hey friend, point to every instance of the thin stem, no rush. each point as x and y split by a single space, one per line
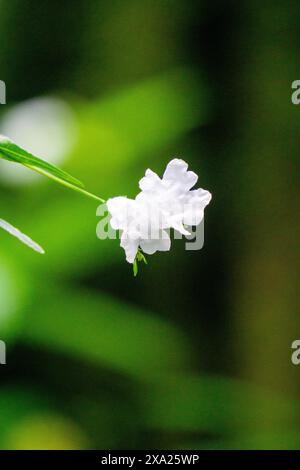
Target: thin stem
65 183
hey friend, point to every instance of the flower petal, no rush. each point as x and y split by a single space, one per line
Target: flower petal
119 208
176 222
150 182
150 246
194 206
130 245
202 196
176 172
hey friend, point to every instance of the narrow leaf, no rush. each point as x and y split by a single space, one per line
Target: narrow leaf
12 152
21 236
135 267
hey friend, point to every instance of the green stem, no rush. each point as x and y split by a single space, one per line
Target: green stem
65 183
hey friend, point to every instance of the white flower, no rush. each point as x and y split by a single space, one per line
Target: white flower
24 238
162 204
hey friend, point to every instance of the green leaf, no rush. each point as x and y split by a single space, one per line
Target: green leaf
141 257
21 236
135 267
138 259
12 152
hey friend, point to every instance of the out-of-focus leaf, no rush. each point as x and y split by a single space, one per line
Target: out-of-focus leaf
102 330
135 124
46 431
29 422
216 405
14 291
15 405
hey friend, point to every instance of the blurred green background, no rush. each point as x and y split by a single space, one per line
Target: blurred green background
195 351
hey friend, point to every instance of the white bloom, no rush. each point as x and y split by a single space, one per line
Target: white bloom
24 238
162 204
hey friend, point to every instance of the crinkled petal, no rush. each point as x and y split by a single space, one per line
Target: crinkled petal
130 245
176 222
119 209
176 173
150 182
150 246
194 206
201 196
193 216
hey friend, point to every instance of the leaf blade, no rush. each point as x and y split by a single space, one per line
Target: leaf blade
14 153
21 236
